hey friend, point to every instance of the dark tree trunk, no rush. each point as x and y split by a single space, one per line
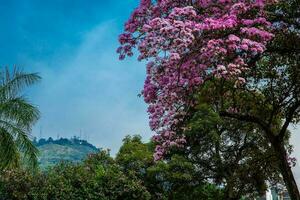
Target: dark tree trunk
278 146
230 197
286 170
229 193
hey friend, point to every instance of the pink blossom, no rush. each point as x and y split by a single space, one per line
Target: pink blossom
184 47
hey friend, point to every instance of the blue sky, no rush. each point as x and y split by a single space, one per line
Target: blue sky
85 88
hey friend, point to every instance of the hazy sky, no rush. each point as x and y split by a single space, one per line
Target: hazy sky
85 88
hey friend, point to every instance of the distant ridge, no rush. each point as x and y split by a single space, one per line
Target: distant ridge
63 149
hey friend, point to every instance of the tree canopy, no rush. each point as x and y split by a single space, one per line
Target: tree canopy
244 54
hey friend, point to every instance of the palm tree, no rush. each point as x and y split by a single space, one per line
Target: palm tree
17 117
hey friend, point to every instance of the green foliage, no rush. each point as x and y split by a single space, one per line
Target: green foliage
20 184
16 119
230 153
134 156
99 177
131 175
174 179
66 181
177 179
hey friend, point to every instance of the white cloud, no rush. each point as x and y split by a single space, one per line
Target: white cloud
91 90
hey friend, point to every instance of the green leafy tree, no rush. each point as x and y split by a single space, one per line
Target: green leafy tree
99 177
135 156
178 180
234 155
175 178
21 184
130 176
16 118
271 97
252 47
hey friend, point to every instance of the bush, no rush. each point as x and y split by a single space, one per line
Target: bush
131 176
97 178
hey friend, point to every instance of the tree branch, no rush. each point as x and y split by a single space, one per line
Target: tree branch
249 118
288 120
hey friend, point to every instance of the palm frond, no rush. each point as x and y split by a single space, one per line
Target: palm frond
20 142
8 150
17 116
11 83
27 148
19 111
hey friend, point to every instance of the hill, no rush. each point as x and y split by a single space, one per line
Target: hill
55 151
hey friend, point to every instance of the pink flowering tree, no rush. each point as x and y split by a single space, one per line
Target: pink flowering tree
188 43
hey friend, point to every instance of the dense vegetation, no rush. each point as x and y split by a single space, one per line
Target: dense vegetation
131 175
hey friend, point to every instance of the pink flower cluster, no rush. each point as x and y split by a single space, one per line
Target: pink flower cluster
185 43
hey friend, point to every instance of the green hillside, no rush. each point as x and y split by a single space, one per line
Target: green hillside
55 151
